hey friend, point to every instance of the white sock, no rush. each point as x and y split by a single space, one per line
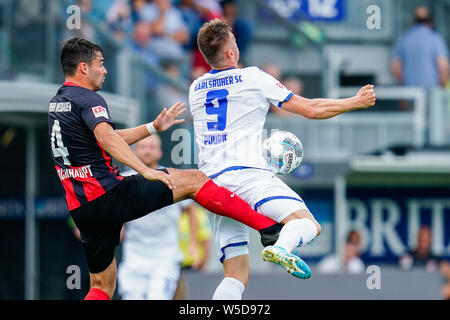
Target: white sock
297 232
229 289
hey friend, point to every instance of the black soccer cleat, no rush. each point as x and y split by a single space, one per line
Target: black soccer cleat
270 234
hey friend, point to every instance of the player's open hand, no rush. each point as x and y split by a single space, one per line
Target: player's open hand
366 96
168 118
154 175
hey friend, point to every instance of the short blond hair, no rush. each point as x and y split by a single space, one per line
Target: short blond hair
211 38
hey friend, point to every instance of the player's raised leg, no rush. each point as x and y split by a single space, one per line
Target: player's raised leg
219 200
299 228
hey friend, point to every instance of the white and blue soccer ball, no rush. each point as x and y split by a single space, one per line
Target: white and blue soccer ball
283 151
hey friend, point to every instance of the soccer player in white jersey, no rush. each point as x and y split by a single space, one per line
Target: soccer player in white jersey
229 107
151 257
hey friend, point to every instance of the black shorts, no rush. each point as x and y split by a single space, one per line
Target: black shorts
101 220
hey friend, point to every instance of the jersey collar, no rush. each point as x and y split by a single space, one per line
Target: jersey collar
212 71
68 83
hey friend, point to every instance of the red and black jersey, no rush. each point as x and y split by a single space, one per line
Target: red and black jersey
83 166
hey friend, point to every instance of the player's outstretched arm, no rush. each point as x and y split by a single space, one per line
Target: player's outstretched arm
164 121
328 108
121 151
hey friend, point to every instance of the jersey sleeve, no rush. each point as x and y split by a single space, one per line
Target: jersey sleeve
275 92
95 110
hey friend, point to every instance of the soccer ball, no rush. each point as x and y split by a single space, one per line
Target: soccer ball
283 151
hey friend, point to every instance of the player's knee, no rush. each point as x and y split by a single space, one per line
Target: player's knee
319 228
198 179
201 177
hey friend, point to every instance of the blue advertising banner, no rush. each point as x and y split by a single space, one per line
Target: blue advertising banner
314 10
51 207
388 220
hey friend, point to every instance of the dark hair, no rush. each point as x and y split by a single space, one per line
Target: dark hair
77 50
211 38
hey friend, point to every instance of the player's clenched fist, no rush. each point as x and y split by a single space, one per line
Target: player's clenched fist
366 96
153 175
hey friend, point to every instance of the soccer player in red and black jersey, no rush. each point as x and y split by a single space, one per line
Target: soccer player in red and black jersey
83 139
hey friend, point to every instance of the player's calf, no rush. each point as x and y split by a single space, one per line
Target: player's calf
236 272
103 283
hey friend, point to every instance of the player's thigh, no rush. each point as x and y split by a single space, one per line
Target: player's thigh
237 267
187 182
132 283
163 281
136 197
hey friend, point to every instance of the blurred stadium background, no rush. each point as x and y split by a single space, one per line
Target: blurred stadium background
384 172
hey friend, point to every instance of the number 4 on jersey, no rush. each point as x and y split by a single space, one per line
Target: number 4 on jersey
58 148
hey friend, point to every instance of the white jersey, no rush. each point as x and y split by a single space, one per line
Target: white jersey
154 236
229 108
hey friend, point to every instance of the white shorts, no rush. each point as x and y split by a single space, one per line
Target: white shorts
265 193
157 281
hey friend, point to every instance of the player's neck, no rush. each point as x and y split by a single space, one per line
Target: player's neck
224 67
80 82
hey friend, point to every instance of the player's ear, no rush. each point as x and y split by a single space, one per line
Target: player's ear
83 67
229 54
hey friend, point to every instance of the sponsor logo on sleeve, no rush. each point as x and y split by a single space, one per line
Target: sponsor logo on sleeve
100 111
280 85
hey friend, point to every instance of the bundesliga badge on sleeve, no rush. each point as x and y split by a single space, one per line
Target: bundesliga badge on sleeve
100 111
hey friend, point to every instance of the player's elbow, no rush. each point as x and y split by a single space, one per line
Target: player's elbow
319 228
104 134
311 114
106 140
311 111
102 139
